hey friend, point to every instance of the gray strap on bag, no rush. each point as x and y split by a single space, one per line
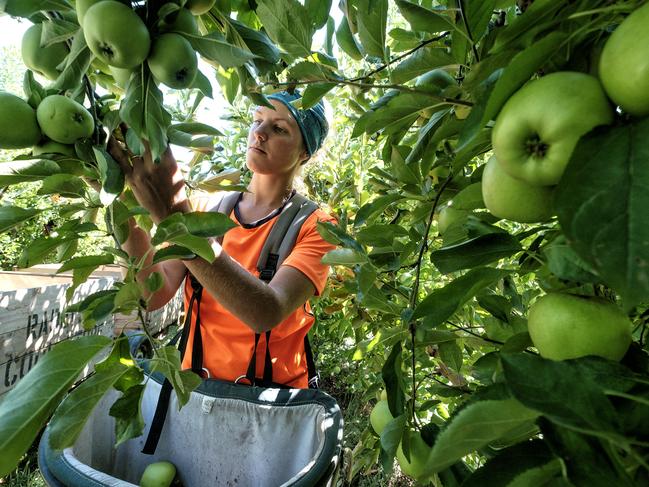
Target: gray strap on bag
283 235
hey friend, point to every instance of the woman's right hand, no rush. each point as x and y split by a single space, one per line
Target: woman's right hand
158 187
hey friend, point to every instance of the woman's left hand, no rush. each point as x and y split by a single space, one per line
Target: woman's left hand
158 187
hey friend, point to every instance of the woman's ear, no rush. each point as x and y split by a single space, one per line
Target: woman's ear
304 157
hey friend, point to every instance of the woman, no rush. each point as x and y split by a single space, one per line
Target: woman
236 304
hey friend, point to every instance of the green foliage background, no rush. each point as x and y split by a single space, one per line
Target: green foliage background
438 321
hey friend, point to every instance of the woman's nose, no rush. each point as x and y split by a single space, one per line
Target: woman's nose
259 132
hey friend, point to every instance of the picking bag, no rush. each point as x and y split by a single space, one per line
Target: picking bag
226 435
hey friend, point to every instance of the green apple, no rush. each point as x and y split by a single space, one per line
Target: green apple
624 63
64 120
116 34
42 59
419 452
539 126
199 7
82 6
18 125
513 199
449 216
52 147
380 416
565 326
173 61
158 474
436 80
180 20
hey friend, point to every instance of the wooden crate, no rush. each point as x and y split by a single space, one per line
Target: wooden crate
33 318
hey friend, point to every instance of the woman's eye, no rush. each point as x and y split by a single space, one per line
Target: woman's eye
279 129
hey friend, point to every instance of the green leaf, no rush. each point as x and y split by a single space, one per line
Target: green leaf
318 12
577 398
423 60
111 176
15 172
184 139
584 459
257 41
314 93
393 380
451 354
214 47
207 223
25 409
63 184
143 111
174 229
601 203
76 64
71 416
474 427
128 297
376 206
154 282
11 216
27 8
540 475
442 303
372 17
510 463
127 412
338 236
82 268
167 361
173 252
288 24
347 41
92 261
380 235
423 19
539 15
475 252
400 112
521 68
203 84
57 30
478 13
563 262
346 257
37 251
197 128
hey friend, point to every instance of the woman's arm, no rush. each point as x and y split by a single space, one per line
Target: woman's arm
159 187
259 305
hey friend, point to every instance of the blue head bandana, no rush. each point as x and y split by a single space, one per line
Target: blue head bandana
312 121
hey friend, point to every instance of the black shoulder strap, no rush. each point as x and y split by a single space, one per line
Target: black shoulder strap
277 246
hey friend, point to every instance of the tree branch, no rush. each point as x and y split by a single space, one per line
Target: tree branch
399 58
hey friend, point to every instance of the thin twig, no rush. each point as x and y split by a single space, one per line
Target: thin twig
400 57
405 89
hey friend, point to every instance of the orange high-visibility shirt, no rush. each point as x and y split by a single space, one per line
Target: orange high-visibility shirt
227 342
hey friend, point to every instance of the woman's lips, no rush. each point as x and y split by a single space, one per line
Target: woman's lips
257 149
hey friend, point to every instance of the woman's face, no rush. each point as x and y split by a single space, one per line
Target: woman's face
275 143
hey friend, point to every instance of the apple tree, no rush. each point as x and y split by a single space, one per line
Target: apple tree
489 178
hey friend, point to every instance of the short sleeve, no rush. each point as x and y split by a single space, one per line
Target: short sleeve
309 249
